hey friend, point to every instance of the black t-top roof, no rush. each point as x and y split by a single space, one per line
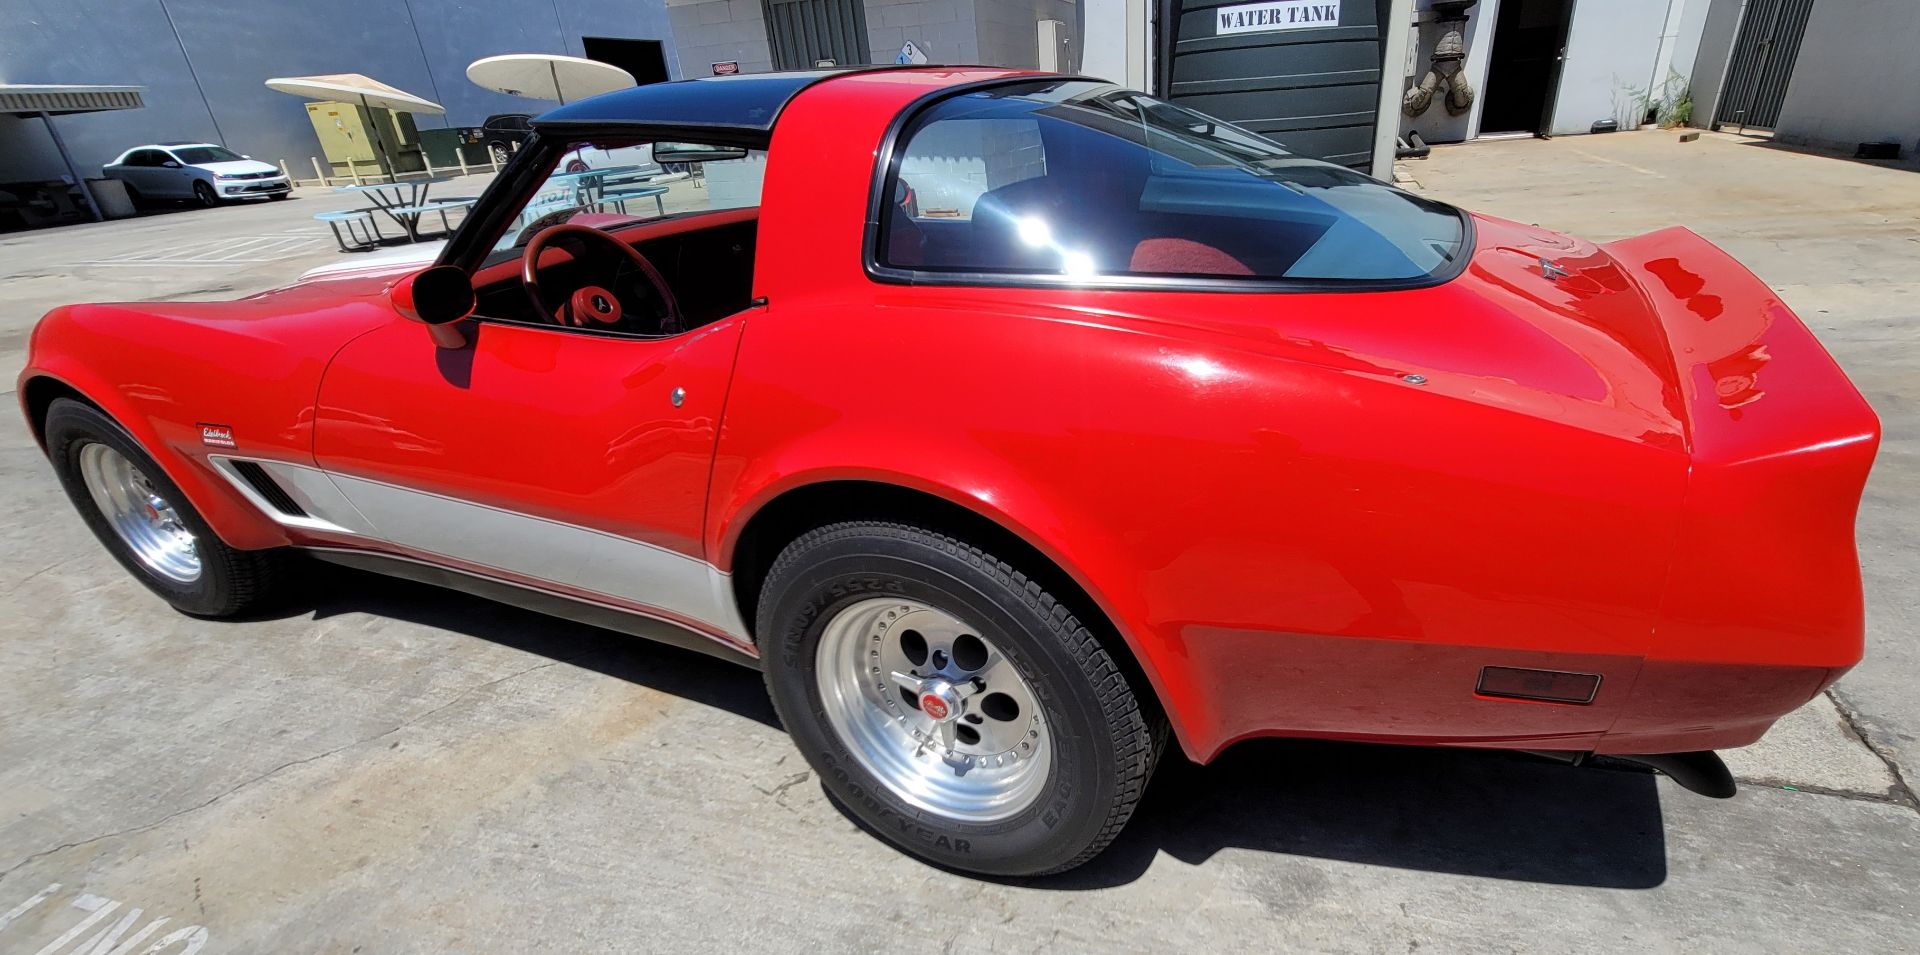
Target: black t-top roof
744 103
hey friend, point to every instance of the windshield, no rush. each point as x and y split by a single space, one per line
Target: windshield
200 155
1083 179
618 183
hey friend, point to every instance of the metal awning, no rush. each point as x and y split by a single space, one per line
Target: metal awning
26 99
47 101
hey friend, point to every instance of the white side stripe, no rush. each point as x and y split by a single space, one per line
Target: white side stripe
580 557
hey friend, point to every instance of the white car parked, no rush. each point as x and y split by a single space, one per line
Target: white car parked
202 172
593 157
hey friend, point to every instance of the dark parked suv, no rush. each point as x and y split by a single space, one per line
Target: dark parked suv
503 132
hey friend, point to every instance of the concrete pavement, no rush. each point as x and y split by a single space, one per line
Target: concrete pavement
392 768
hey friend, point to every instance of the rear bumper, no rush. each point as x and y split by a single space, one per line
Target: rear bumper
1414 693
1683 707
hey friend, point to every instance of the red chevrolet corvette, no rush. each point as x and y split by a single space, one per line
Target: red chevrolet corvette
1008 421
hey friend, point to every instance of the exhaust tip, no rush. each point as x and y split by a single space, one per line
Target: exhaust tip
1702 772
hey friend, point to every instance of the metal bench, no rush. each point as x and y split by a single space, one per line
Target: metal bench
367 237
618 198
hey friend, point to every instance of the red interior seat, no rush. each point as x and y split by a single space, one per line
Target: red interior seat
1183 257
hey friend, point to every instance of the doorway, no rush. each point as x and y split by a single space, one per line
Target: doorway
1762 64
645 59
1523 68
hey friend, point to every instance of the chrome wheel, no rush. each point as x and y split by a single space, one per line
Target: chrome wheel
500 153
145 521
932 710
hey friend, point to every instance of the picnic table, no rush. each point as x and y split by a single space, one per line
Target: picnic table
441 206
619 197
401 201
589 183
363 232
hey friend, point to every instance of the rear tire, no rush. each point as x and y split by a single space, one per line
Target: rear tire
838 625
499 152
148 525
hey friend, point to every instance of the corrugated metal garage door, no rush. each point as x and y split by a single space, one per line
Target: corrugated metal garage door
804 32
1762 65
1315 89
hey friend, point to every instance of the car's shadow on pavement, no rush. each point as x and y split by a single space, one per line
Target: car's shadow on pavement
682 673
1464 812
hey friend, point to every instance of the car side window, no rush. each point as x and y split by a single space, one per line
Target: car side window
950 166
616 184
665 208
1073 179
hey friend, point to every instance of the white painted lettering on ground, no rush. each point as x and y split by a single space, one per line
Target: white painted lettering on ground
1276 15
118 937
21 909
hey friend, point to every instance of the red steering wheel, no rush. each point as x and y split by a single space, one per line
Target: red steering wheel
593 305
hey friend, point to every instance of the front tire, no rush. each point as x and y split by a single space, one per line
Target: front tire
952 705
204 195
148 525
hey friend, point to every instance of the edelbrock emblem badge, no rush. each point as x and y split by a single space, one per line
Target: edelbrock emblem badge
933 706
216 436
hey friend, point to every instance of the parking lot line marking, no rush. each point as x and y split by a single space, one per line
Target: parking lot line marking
165 264
274 245
1615 162
235 250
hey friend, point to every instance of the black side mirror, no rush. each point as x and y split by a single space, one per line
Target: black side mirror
438 298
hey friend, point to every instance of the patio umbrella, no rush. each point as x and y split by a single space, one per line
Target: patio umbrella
355 88
547 76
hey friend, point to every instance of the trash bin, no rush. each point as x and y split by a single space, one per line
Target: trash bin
441 146
111 196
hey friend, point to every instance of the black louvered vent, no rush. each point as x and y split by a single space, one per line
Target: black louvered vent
276 495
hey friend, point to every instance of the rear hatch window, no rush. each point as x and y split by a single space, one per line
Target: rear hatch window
1075 179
